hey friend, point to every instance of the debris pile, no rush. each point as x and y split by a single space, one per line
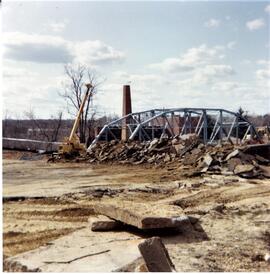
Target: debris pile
156 151
226 160
188 152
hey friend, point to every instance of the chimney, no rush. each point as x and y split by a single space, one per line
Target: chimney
126 110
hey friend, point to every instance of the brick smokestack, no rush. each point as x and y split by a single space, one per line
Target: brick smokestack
126 110
126 100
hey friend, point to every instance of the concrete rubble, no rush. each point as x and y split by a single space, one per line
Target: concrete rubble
156 256
144 215
103 223
186 151
81 251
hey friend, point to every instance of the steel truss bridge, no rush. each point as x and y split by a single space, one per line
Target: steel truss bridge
210 124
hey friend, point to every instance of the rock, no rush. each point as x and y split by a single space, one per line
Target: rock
167 158
262 160
193 220
153 143
232 154
267 257
81 251
207 160
259 149
138 265
246 158
175 141
219 208
230 180
178 148
156 256
201 146
239 169
143 215
103 223
189 159
188 136
141 268
232 163
196 151
265 170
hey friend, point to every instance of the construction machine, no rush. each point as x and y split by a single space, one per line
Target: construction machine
71 145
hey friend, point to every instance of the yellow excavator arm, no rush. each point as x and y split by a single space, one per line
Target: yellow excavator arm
72 144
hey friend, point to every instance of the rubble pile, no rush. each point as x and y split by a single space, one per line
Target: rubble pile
226 160
187 151
156 151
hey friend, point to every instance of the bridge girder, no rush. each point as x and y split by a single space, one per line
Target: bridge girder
211 124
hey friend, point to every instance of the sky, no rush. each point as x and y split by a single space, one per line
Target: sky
173 54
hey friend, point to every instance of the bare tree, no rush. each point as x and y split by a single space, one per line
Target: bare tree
74 93
48 129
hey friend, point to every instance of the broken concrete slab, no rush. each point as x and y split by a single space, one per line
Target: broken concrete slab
232 154
103 223
265 170
137 265
262 160
233 162
143 215
178 147
81 251
156 256
259 149
239 169
205 163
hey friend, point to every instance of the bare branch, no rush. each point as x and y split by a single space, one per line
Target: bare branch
74 92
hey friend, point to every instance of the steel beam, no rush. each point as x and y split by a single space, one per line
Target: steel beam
148 117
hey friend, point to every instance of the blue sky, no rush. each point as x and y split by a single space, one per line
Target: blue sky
174 54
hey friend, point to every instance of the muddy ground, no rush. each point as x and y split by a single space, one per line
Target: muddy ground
45 201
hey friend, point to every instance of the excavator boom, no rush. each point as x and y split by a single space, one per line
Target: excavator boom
77 120
72 145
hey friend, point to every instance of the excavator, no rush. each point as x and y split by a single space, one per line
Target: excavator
71 145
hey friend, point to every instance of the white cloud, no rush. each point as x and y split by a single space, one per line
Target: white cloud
56 26
218 70
255 24
225 86
263 62
172 65
95 52
263 74
36 48
12 72
212 23
191 59
267 9
55 49
210 74
231 45
202 69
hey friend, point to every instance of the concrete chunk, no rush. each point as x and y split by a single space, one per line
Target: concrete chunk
265 171
143 215
156 256
232 154
239 169
82 251
103 223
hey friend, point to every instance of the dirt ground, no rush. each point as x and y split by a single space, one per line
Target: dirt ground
45 201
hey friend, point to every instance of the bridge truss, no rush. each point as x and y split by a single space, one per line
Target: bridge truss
210 124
